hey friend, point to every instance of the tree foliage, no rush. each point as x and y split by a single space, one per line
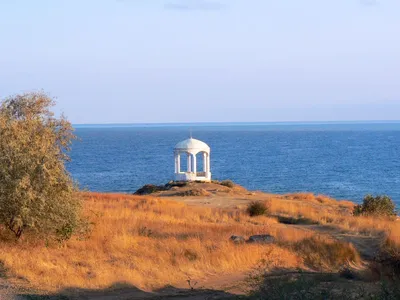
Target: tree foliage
36 191
380 206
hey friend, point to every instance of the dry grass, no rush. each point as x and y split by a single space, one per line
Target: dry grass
151 242
389 254
147 242
327 211
338 215
324 254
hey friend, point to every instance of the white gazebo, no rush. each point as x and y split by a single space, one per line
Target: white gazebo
191 148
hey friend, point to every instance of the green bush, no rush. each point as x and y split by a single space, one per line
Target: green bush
37 193
65 232
380 206
258 208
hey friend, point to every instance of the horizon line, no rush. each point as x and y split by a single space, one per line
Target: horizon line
242 123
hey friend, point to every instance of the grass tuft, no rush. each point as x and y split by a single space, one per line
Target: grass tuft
258 208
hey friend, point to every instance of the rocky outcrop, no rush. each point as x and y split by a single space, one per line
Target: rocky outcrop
261 239
150 189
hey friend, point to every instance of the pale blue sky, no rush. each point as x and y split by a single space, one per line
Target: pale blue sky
129 61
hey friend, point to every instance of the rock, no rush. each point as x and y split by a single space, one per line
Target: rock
150 189
237 239
261 239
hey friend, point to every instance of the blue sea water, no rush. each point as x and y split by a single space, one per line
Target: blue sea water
342 160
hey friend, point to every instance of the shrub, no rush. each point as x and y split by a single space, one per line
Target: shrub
144 231
191 255
37 193
380 206
65 232
227 183
258 208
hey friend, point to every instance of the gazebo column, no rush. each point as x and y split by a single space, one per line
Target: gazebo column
178 163
194 164
189 162
204 162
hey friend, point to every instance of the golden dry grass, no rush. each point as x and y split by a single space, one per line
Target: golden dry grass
148 243
338 215
152 242
390 249
326 211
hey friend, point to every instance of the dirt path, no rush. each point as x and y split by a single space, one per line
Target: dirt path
8 291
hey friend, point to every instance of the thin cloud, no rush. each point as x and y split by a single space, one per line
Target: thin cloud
190 5
369 2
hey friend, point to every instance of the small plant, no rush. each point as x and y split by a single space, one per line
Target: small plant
191 255
227 183
144 231
191 284
258 208
379 206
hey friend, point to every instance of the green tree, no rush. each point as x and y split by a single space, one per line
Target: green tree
380 206
36 191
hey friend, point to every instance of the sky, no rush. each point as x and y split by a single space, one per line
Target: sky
160 61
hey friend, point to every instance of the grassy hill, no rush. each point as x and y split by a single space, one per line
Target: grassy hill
166 239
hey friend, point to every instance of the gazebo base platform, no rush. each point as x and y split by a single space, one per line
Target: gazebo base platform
201 176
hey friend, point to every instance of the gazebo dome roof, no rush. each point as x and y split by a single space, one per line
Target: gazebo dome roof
192 144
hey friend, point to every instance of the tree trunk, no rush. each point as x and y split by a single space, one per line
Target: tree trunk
17 231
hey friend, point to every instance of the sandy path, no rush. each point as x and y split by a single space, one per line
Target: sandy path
8 291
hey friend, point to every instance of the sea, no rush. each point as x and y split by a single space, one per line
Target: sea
344 160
